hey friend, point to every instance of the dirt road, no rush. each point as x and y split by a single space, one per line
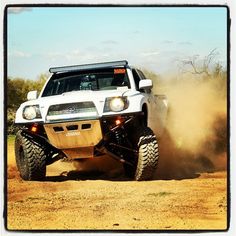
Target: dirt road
91 200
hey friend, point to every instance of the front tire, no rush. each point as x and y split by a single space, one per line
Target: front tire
30 158
146 162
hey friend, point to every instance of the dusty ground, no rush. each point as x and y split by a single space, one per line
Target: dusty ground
91 200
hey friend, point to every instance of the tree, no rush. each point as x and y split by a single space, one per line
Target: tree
39 83
206 67
17 89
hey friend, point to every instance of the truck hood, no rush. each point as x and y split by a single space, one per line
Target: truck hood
82 96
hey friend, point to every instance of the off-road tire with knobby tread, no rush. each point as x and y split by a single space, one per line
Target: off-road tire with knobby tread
30 157
148 154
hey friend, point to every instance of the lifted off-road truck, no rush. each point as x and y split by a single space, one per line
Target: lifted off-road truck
88 111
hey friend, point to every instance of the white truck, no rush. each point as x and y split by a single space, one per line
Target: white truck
87 111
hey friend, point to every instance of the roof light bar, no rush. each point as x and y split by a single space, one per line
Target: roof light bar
89 66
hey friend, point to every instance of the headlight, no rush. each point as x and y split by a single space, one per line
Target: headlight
31 112
116 104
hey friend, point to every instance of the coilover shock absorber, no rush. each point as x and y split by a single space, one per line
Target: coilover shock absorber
118 135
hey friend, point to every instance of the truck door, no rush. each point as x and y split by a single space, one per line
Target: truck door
138 75
157 109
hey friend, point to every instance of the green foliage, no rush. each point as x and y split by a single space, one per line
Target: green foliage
17 89
11 128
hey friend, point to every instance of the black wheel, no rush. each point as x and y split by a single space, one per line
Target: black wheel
30 158
144 165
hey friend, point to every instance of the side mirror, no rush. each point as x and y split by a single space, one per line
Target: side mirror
32 95
145 84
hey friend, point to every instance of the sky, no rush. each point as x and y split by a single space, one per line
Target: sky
155 38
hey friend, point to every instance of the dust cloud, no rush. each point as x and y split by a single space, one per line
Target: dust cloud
196 137
101 165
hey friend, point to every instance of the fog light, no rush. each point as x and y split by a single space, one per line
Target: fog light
118 122
34 129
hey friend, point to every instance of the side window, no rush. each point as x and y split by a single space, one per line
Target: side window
142 76
136 80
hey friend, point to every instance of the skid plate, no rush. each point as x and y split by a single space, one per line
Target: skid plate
71 135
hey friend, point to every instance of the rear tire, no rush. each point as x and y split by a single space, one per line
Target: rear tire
30 158
146 162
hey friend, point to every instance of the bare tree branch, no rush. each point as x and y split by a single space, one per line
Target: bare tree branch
194 66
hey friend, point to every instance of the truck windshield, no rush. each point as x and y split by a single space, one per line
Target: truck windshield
109 79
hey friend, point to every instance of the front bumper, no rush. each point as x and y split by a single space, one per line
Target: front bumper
80 138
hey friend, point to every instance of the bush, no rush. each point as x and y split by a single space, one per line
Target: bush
11 127
17 89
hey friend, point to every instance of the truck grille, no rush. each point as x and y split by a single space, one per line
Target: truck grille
71 110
